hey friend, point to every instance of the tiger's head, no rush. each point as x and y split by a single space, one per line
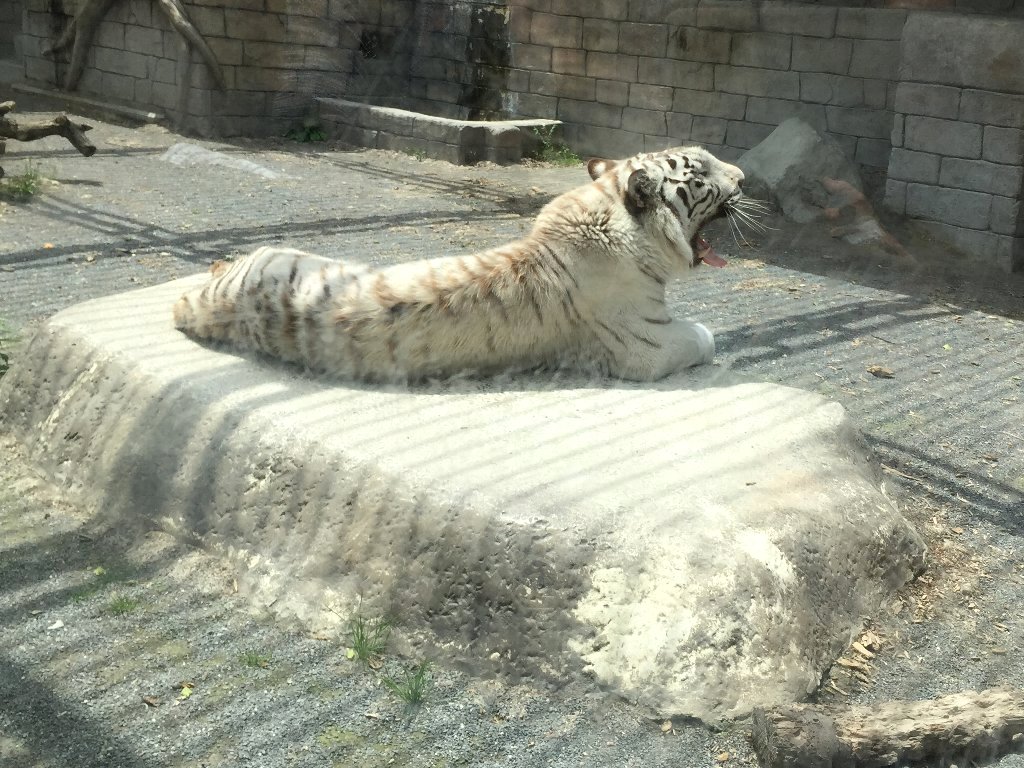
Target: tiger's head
677 191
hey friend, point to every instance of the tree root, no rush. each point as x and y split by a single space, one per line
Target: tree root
58 126
80 31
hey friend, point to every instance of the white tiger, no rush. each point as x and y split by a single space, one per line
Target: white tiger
585 289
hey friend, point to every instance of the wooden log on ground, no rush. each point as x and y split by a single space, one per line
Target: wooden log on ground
964 728
61 125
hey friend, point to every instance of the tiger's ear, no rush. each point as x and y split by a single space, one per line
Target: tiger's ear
598 165
641 192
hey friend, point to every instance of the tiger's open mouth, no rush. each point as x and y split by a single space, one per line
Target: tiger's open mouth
705 253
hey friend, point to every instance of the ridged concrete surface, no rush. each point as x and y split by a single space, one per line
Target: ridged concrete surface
701 546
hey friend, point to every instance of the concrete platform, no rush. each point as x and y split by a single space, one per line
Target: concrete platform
701 546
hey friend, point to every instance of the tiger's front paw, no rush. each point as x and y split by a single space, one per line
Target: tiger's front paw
705 343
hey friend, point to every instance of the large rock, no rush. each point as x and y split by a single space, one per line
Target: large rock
789 166
702 545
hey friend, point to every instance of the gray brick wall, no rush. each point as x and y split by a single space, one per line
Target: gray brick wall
934 99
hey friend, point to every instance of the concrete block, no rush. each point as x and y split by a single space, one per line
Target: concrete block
757 82
518 80
1002 109
758 49
907 165
165 71
556 31
898 135
745 135
249 25
612 66
122 62
880 94
945 137
981 248
547 84
674 12
1003 145
896 196
964 50
831 89
811 54
659 143
651 97
276 55
519 19
109 34
599 141
526 56
710 103
209 21
798 19
681 74
1007 216
680 126
241 103
227 52
39 70
646 121
643 39
871 23
600 9
262 79
708 130
775 111
144 40
568 61
600 35
615 92
870 123
532 105
728 15
875 58
956 207
704 45
118 87
164 95
589 113
981 176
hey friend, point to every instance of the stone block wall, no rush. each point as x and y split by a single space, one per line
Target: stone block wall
957 163
931 98
10 22
624 76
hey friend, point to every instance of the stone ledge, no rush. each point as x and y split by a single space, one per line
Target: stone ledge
701 545
458 141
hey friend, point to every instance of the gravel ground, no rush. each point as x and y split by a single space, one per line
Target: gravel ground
799 308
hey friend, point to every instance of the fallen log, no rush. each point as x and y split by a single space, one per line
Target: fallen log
964 728
61 125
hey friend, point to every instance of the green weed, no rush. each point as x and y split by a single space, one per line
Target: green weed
307 134
413 686
21 187
7 338
102 578
253 658
368 639
121 606
551 150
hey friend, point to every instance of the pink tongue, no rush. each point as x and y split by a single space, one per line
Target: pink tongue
707 254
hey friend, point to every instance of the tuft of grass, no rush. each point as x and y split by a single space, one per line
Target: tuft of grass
21 187
121 606
551 150
7 338
253 658
307 134
368 639
419 154
102 578
413 686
